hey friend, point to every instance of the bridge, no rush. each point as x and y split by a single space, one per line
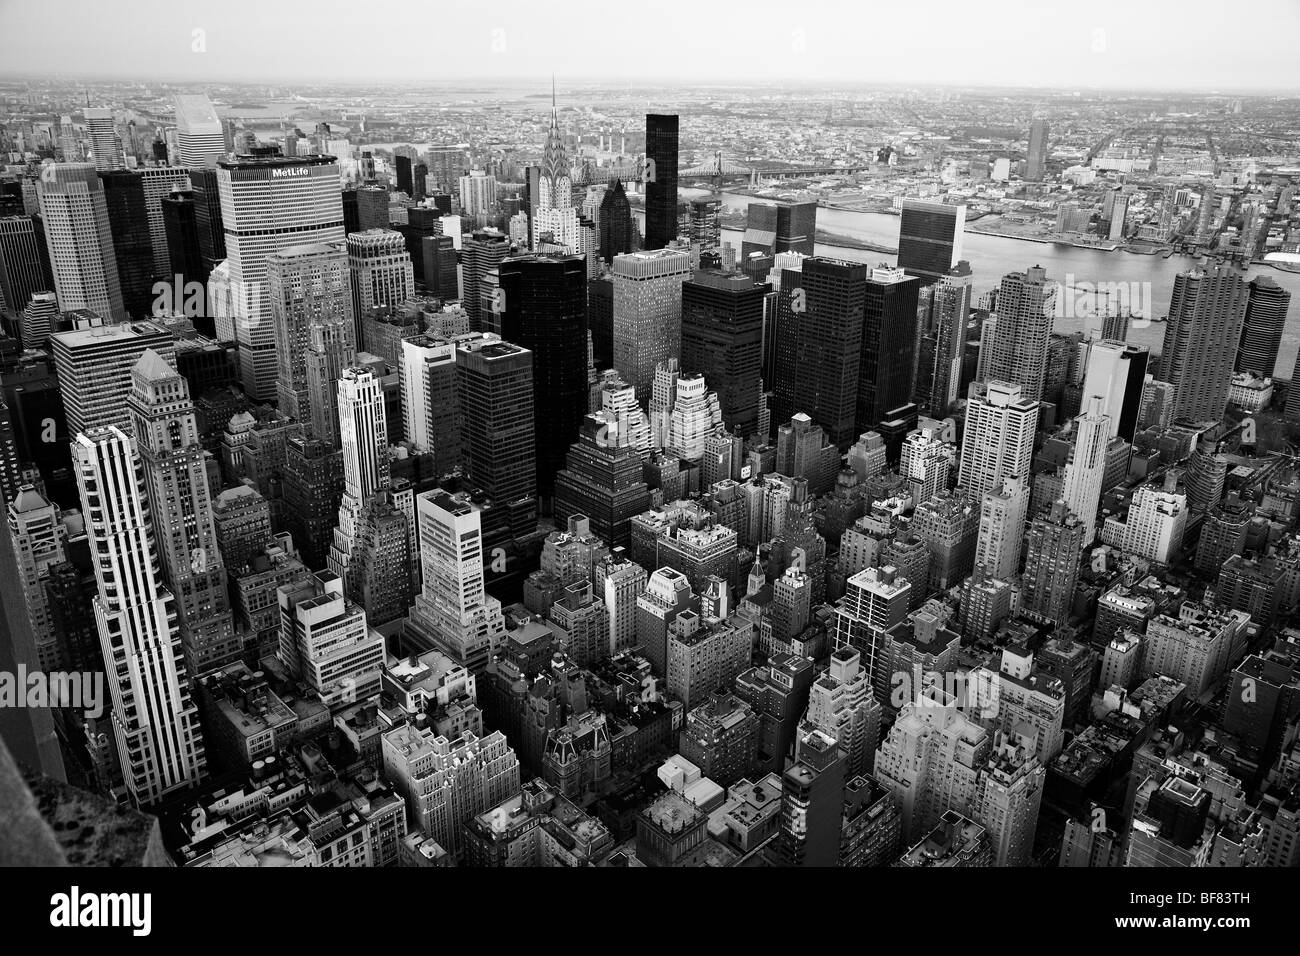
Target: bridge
722 167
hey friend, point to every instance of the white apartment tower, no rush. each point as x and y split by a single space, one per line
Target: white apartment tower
155 720
998 440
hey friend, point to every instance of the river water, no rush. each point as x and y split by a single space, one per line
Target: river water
1147 281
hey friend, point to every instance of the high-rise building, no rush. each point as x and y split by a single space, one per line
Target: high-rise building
722 339
199 137
616 227
1002 526
812 803
155 720
545 311
841 705
363 433
875 599
1155 524
38 545
889 340
1036 157
1206 312
381 274
268 203
706 222
772 228
167 439
1015 337
94 369
950 306
929 238
105 144
998 439
326 643
1087 466
454 612
661 141
478 195
1261 330
1117 372
307 286
1053 547
602 480
128 220
483 251
79 237
184 252
648 313
829 307
24 263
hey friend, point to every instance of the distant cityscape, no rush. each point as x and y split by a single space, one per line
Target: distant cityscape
591 475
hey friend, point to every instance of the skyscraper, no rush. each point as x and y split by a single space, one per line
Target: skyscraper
829 309
78 235
483 252
616 226
1117 372
1002 526
949 313
199 137
269 203
175 477
363 431
775 227
1014 344
889 340
431 415
648 313
128 220
105 144
998 440
94 369
722 339
1087 465
155 720
308 285
24 262
1036 158
661 189
546 313
930 237
1053 546
381 274
1206 312
1261 331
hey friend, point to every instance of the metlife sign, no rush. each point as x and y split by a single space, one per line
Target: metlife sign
288 171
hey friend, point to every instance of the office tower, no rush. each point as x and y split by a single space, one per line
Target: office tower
105 144
1036 157
875 599
1087 465
812 803
94 369
128 219
706 225
1223 534
441 279
381 561
326 643
648 313
330 349
803 451
363 433
1118 217
484 250
553 214
925 461
1054 545
546 313
695 415
841 705
929 238
1169 824
185 262
628 423
207 217
772 228
431 414
157 183
1014 344
175 477
1261 330
1206 312
381 273
722 339
622 582
705 655
720 737
39 320
661 189
1117 373
155 721
1008 794
889 339
38 545
998 439
1002 526
24 263
242 520
307 286
11 469
199 139
601 480
949 525
446 783
616 226
949 312
478 195
829 308
1155 524
667 594
405 176
312 488
269 203
79 237
495 389
453 611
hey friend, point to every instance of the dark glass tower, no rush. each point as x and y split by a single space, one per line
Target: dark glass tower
24 261
405 181
1206 313
128 221
615 223
722 339
207 216
183 250
438 265
545 311
1261 334
889 335
829 345
661 193
929 238
482 252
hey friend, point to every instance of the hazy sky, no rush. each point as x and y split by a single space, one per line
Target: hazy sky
1159 44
